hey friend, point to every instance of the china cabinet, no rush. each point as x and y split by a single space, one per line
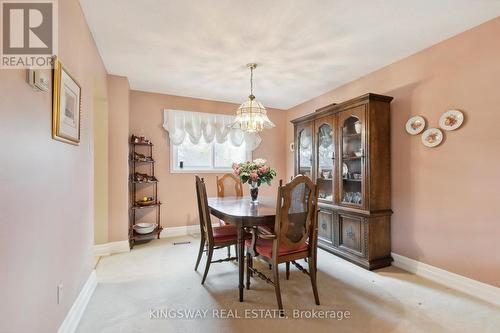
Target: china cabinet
346 148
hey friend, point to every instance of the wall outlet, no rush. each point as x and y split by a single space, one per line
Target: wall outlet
59 293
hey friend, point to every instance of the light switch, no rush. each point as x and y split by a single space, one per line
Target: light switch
39 79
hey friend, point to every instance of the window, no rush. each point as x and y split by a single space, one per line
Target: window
194 138
206 157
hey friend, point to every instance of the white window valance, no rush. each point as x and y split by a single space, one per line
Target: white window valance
211 126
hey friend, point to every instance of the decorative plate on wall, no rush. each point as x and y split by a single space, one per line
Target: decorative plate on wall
451 120
432 137
415 125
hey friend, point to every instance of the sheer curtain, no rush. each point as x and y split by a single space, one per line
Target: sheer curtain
182 125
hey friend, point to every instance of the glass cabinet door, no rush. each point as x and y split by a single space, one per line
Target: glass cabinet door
325 158
304 151
352 173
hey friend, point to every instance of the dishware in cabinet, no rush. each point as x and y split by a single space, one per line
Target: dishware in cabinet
352 147
304 150
324 130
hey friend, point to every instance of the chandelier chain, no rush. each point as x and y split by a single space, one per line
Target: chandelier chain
251 80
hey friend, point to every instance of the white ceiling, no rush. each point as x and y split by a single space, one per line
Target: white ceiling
199 48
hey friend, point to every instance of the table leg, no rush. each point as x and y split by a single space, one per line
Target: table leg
241 260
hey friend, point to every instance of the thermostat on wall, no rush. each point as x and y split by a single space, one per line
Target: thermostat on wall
39 79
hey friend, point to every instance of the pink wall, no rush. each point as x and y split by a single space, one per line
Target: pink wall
444 199
118 118
176 191
46 195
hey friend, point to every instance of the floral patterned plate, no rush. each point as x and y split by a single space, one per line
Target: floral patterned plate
451 120
432 137
415 125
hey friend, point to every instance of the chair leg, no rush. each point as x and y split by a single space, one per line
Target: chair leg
209 261
287 270
277 285
312 274
237 250
229 251
249 265
200 252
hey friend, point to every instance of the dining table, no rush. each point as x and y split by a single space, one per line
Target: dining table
243 213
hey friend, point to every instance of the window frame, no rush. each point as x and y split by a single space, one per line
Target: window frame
174 168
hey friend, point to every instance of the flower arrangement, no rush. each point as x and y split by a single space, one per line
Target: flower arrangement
254 173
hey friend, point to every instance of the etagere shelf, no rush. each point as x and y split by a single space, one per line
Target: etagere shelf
140 159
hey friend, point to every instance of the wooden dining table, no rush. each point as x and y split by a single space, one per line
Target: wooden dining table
242 213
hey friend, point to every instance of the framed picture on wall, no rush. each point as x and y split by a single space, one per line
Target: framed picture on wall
66 106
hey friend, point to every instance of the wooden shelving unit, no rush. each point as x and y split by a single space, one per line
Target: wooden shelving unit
146 161
346 148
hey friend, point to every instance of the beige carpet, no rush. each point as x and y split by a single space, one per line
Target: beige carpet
160 276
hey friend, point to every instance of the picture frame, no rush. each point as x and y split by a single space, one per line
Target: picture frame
66 105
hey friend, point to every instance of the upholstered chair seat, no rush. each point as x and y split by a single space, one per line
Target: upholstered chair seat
265 248
225 233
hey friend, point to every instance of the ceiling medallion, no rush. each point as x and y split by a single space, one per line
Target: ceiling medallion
251 116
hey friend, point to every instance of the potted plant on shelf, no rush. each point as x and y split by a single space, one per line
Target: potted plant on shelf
255 174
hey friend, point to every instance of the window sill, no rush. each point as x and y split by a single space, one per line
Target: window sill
213 171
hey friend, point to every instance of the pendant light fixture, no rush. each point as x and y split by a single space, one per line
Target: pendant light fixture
251 116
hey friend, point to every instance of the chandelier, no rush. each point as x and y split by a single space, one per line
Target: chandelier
251 116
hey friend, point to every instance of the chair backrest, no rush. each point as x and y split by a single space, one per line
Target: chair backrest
203 210
296 213
229 186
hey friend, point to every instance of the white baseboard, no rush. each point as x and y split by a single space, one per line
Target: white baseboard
111 248
74 314
466 285
180 231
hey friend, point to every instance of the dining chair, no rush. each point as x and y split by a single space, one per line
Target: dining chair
270 229
229 186
295 235
211 236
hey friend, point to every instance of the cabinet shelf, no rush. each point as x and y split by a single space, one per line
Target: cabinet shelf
148 182
351 158
155 233
141 144
351 180
146 206
139 161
